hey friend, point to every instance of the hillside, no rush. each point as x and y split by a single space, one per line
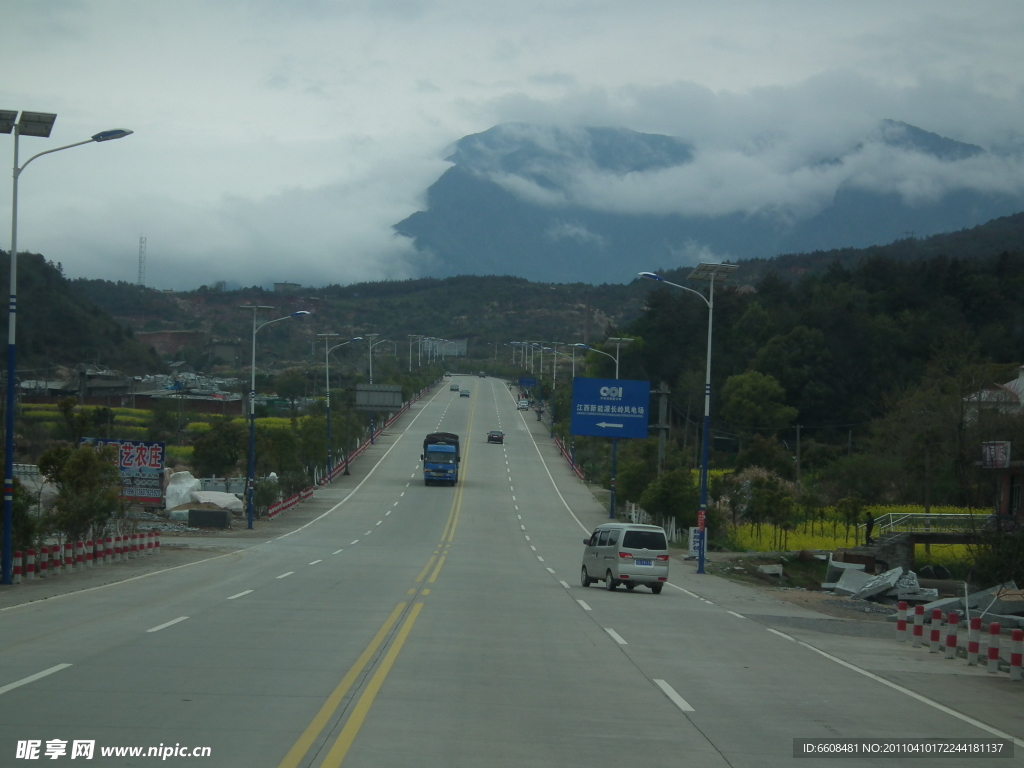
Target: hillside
58 326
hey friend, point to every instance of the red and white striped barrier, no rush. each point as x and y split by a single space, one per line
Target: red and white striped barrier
117 549
156 543
42 566
935 636
89 549
974 642
918 626
952 623
79 555
901 621
993 647
30 565
149 543
16 568
1016 652
108 550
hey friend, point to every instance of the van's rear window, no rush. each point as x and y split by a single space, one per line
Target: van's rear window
644 540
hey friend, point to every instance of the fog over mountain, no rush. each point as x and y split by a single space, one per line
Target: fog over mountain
595 204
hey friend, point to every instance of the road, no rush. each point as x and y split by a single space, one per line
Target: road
429 626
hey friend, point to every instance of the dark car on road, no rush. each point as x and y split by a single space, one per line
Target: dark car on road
495 436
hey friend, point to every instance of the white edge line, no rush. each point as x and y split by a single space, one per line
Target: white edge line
32 678
674 697
583 605
737 615
285 574
914 695
240 594
122 581
781 634
615 636
676 586
167 624
368 474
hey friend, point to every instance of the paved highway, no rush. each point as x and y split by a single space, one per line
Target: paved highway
435 626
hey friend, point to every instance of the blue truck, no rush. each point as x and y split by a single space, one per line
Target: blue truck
440 458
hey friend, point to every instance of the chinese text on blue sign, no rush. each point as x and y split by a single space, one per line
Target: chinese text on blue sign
610 407
141 465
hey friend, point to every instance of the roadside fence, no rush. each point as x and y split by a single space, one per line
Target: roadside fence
972 645
52 560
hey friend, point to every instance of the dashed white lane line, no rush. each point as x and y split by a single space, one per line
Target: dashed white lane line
32 678
583 605
527 538
551 570
517 509
737 615
615 636
387 513
533 548
396 503
401 494
513 499
283 575
368 532
378 522
337 551
353 542
167 624
519 517
674 697
522 527
316 561
406 485
542 560
240 594
565 584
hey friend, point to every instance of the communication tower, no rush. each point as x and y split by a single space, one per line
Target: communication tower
142 261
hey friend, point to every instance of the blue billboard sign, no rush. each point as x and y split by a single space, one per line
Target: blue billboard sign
527 381
610 407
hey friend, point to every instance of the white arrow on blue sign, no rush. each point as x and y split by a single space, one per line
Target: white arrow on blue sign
610 407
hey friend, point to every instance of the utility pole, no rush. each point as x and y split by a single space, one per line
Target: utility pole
142 261
663 425
797 455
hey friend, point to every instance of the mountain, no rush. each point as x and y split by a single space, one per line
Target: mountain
556 204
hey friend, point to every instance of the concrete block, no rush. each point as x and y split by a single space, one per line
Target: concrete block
917 595
851 582
770 570
946 605
984 597
836 569
880 584
1009 602
209 518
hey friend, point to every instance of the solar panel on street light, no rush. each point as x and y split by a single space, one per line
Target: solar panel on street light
717 272
36 124
7 120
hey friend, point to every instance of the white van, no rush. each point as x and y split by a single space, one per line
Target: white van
624 553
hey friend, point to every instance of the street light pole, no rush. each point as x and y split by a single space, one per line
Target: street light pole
30 124
709 272
327 366
252 402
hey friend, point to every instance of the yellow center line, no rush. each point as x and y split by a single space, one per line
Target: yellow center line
426 568
305 741
355 720
433 576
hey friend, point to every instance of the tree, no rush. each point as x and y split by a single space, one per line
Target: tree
291 385
88 487
767 453
753 400
218 451
674 494
77 421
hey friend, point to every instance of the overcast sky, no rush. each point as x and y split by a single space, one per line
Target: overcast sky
279 140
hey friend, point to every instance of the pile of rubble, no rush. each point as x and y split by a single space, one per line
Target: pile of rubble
1002 604
851 580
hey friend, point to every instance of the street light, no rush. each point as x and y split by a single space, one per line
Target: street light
412 338
709 272
252 400
327 366
30 124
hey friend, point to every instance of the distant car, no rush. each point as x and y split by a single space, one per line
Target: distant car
464 393
454 388
524 405
495 436
482 375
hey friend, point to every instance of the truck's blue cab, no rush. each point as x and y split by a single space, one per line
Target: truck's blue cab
440 458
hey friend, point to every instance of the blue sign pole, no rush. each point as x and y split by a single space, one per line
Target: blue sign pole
611 502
